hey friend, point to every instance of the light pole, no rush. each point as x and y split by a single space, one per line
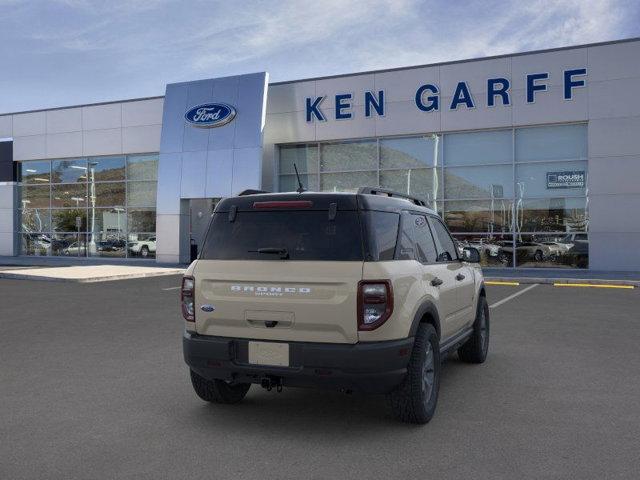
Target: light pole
520 208
118 211
435 139
92 174
92 196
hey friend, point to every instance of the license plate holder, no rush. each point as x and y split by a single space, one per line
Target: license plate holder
269 353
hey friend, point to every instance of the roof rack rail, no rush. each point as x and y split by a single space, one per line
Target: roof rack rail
391 193
251 191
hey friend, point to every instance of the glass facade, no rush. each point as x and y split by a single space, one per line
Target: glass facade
518 195
95 206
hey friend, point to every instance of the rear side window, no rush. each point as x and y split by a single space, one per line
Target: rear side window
382 234
425 248
444 243
305 235
406 241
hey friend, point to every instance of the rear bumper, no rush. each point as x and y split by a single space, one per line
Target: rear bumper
375 367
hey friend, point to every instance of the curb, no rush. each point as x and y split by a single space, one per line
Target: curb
551 281
22 276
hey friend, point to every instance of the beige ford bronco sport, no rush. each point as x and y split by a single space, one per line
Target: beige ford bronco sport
353 291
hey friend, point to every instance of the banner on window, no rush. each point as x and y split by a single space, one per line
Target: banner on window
569 179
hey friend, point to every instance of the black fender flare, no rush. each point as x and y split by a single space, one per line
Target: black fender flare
427 307
482 291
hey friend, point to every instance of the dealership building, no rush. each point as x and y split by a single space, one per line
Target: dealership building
534 158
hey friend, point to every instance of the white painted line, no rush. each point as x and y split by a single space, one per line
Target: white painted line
171 288
511 297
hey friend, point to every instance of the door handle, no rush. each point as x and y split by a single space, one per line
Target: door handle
436 282
460 277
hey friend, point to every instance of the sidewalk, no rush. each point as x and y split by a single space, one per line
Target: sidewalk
86 273
29 261
551 276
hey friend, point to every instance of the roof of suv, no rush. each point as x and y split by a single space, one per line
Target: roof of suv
322 201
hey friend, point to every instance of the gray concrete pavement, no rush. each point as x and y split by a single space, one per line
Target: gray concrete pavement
94 386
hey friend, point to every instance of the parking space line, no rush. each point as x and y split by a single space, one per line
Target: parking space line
496 282
171 288
511 297
592 285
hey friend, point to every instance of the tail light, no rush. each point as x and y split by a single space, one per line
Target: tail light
187 299
375 303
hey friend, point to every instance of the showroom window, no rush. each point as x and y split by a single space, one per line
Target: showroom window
95 206
518 195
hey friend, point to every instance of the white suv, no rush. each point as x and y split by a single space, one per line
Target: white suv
143 247
356 292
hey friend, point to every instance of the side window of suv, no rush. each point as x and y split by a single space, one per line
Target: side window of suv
405 249
425 247
382 230
447 251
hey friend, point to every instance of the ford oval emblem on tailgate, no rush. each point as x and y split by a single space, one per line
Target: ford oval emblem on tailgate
207 308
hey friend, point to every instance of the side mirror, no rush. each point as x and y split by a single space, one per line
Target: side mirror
471 255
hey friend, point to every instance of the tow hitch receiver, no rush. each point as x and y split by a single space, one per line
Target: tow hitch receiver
269 383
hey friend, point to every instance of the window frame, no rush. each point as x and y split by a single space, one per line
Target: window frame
436 239
518 162
414 213
123 233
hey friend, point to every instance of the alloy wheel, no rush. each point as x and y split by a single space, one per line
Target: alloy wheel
428 373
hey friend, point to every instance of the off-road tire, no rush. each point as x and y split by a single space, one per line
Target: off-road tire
413 401
218 391
144 251
476 347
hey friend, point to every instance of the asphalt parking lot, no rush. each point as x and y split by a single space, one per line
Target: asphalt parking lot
93 385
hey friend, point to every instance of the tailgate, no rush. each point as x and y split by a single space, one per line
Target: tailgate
305 301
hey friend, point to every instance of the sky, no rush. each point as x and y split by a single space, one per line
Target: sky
69 52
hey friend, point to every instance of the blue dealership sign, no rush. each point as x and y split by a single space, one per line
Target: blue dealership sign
427 96
210 115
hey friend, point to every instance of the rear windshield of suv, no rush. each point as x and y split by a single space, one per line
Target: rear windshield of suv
303 234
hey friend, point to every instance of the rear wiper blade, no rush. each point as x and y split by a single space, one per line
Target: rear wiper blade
284 254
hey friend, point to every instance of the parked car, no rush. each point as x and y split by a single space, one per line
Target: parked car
485 246
579 251
58 246
290 291
110 245
573 239
557 249
38 244
75 249
143 247
525 252
105 246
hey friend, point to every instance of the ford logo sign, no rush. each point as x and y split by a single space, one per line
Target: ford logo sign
210 115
